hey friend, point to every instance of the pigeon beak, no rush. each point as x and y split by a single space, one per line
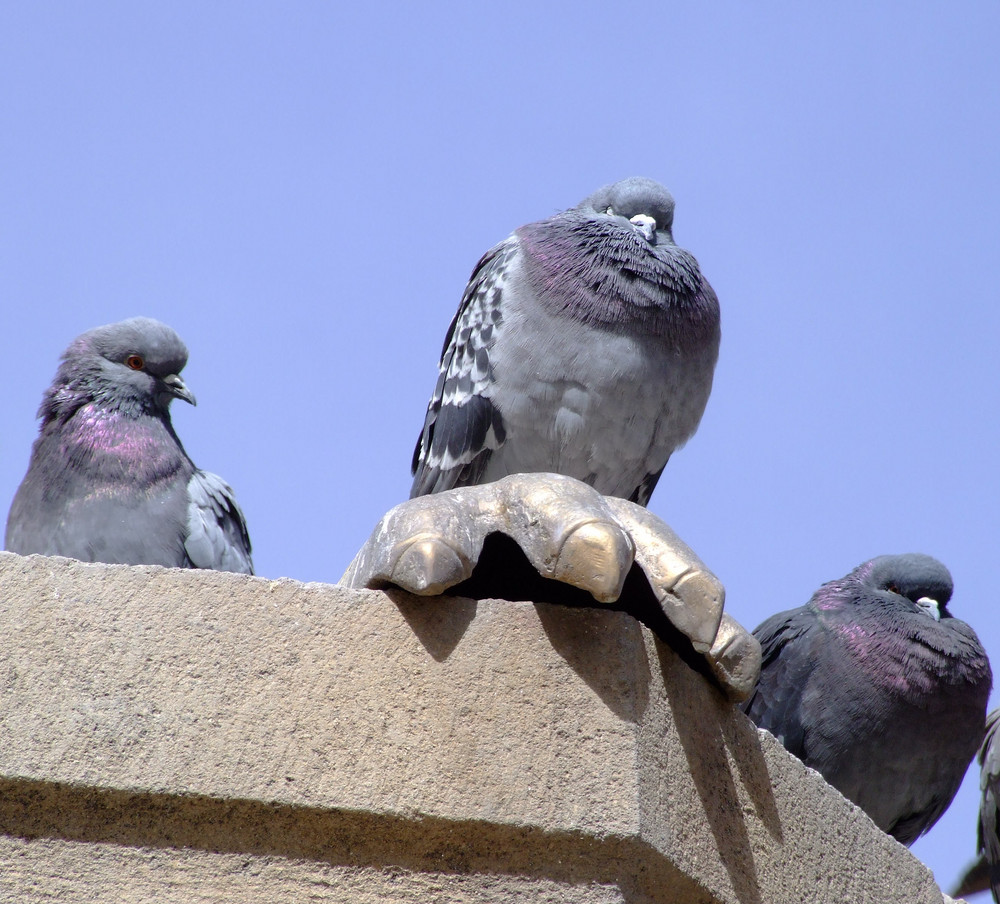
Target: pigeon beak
930 606
645 226
177 388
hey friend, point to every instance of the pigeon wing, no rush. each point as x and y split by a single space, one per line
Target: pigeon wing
217 535
645 489
785 641
989 817
463 427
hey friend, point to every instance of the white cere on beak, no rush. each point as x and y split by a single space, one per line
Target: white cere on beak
646 226
930 606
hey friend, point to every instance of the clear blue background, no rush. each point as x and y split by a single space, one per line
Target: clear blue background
301 191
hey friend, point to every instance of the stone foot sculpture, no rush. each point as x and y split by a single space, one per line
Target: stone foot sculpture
569 533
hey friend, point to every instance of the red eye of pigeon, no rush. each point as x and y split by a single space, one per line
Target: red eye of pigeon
135 362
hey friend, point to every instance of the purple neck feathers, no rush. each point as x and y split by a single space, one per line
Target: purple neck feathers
600 272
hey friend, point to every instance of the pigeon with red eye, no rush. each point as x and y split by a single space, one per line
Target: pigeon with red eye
109 480
585 345
875 685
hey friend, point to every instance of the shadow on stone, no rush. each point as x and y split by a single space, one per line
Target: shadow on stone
35 809
505 573
439 622
701 736
743 743
607 665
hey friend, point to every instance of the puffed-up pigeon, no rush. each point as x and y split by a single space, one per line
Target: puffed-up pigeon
585 344
109 480
989 807
875 685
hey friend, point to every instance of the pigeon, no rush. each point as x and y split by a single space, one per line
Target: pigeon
876 686
109 480
989 814
585 345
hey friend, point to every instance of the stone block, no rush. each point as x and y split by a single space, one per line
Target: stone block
191 736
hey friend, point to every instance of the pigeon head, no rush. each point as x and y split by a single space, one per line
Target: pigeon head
132 366
920 579
646 204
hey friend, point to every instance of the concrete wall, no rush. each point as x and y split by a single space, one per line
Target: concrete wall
181 736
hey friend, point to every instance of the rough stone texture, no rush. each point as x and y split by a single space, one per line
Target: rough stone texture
185 736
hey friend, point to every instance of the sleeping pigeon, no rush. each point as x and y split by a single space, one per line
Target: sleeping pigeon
876 686
585 344
109 480
989 815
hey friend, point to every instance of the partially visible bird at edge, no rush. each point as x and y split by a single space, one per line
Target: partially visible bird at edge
874 684
989 805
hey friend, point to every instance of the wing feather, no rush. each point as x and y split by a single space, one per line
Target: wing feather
463 426
217 535
786 665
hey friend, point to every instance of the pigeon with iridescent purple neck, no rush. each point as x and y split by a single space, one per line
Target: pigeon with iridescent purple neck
109 480
585 344
876 686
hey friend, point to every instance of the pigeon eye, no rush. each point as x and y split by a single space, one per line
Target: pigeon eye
135 362
610 211
892 588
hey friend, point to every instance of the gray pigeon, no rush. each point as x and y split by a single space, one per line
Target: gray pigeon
109 480
989 814
585 344
876 686
984 873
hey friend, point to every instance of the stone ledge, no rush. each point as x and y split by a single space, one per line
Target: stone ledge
178 735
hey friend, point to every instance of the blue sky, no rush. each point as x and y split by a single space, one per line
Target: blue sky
301 191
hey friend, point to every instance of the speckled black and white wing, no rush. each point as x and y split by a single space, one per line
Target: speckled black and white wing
217 535
463 427
989 806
